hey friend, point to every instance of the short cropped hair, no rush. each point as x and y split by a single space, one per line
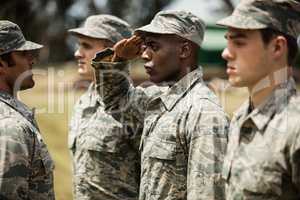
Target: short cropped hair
268 34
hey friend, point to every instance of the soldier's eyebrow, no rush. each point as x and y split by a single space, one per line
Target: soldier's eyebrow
235 35
150 41
84 44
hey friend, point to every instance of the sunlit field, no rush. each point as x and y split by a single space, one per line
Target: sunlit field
54 96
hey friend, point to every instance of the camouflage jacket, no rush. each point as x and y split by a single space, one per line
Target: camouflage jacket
26 168
184 134
105 152
262 161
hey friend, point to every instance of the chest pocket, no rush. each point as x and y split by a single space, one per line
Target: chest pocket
110 145
102 133
159 149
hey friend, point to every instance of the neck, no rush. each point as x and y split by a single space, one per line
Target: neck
263 89
185 71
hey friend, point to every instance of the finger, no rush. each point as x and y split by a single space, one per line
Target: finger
135 40
139 42
132 44
119 44
132 38
141 50
138 39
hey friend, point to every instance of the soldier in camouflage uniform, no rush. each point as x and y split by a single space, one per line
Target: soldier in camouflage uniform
26 168
105 152
263 156
185 129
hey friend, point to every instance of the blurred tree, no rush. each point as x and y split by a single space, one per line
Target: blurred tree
46 21
41 21
229 5
141 12
19 12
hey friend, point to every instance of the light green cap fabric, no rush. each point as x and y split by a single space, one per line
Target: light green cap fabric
181 23
104 27
280 15
12 39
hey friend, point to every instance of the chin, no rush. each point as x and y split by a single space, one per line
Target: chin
81 73
28 85
86 77
155 80
236 83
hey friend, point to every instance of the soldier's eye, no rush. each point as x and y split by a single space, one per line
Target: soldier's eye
86 46
153 46
238 43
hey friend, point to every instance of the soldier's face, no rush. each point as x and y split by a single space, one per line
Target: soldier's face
248 58
162 58
19 76
87 48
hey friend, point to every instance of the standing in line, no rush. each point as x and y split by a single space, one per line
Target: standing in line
104 150
263 156
184 127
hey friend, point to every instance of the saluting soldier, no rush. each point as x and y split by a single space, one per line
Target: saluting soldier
185 129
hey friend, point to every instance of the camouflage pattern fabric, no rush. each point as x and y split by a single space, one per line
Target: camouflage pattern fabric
104 27
281 15
12 39
26 168
184 133
105 152
181 23
262 161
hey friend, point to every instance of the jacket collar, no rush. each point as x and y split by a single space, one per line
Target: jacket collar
18 106
93 97
277 100
179 89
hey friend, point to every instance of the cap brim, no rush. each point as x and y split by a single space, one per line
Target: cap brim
89 33
28 45
241 22
150 28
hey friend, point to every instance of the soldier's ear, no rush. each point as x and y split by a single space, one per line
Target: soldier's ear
185 50
3 66
3 63
279 47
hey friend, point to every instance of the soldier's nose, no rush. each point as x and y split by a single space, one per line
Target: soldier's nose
146 55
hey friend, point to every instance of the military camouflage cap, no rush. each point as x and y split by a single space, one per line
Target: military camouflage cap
280 15
12 39
181 23
104 27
